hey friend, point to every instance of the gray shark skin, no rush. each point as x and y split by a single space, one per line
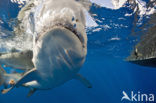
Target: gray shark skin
18 60
59 43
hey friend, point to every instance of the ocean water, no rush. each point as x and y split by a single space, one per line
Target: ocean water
105 65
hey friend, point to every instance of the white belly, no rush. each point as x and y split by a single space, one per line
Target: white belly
58 57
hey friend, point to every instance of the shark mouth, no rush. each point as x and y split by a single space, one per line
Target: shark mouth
69 27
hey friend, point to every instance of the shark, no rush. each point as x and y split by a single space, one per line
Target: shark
59 43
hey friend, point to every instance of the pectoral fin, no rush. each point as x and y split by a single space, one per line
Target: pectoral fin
4 91
19 60
31 92
27 77
83 80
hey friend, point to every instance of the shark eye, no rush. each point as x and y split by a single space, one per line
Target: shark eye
29 54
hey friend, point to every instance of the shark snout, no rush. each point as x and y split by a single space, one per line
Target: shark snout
59 44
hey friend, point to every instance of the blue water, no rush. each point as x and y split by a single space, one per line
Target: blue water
105 66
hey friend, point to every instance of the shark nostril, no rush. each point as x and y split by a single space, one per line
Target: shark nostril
77 20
